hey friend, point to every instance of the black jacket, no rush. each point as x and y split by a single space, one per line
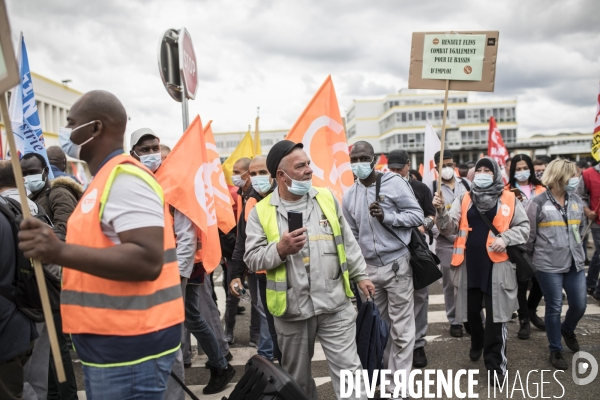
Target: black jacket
237 266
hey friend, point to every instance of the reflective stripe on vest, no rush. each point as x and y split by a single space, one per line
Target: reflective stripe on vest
277 277
90 304
501 221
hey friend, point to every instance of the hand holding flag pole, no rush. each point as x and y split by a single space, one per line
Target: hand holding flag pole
39 273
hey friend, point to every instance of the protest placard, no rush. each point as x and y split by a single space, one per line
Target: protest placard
453 61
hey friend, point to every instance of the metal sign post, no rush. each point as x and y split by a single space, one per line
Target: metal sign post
177 67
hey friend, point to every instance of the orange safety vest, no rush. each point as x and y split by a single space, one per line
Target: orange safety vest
250 203
538 189
501 222
90 304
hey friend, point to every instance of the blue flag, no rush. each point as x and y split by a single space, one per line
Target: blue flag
24 114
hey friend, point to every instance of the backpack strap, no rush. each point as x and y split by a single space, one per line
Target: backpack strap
465 184
378 186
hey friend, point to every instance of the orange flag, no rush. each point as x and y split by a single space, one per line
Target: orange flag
185 177
223 201
321 130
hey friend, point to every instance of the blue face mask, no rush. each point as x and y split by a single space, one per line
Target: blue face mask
151 161
64 138
572 184
483 180
362 169
261 183
522 176
299 188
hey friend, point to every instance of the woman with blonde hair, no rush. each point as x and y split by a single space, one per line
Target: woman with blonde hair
556 218
481 269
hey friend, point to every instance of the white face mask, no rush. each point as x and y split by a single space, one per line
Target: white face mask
64 138
238 181
35 183
151 161
447 173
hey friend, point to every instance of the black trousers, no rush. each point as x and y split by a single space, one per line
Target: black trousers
492 338
68 389
262 285
12 375
535 296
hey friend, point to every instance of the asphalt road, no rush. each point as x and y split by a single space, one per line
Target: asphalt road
444 353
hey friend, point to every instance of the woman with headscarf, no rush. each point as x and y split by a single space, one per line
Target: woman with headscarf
523 182
481 269
557 221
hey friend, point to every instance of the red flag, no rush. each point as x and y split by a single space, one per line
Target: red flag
320 128
596 138
381 164
185 177
496 148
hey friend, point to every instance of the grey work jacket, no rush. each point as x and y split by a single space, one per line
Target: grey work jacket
553 244
324 292
504 274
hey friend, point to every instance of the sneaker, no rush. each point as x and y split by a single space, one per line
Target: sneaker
228 357
419 358
253 343
219 379
514 315
570 340
557 360
590 291
456 330
475 355
537 321
228 335
241 310
187 365
524 329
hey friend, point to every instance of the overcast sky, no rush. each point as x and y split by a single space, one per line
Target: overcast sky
275 54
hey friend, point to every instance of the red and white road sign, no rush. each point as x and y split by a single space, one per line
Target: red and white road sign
187 64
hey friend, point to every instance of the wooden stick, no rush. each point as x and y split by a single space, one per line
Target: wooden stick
37 265
443 141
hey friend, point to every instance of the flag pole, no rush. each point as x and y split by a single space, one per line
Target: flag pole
256 133
443 140
39 273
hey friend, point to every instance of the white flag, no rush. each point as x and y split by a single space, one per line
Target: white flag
432 146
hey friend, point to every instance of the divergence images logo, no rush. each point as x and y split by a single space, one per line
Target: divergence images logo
580 368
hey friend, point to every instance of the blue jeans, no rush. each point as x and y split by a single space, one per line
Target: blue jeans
265 345
552 284
592 280
146 380
197 326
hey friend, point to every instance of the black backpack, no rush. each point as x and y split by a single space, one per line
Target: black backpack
26 295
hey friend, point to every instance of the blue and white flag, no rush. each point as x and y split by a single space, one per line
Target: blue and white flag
23 112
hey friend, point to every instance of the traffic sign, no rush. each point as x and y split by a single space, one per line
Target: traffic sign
187 64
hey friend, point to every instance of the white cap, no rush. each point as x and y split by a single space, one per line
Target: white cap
139 134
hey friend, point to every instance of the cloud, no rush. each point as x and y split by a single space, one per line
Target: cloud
275 54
